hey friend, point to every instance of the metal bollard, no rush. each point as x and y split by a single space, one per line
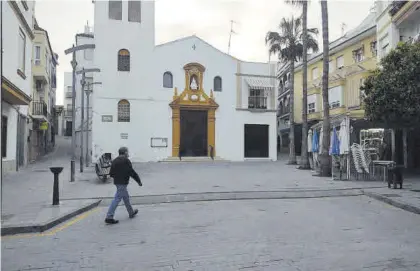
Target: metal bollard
56 197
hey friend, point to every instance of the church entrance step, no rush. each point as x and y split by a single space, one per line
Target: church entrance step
192 159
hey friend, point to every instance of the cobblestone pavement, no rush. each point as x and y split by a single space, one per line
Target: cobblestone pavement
340 234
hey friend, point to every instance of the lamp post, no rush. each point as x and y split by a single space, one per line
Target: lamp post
73 51
88 92
82 125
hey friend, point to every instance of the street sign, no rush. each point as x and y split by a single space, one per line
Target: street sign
43 126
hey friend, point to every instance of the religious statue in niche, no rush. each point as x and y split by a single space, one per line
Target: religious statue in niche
193 82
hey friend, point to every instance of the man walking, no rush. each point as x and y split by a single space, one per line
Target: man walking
121 171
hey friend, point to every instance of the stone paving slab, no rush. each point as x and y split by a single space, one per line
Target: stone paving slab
42 218
402 198
339 234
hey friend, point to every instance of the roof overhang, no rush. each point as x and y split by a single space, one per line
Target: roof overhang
12 94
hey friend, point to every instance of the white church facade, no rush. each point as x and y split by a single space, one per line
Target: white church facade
180 99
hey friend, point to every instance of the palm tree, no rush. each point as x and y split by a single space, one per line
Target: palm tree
324 157
304 161
288 43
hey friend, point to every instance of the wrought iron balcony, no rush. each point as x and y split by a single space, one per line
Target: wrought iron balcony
396 6
39 109
257 102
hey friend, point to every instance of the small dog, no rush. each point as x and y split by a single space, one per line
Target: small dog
395 177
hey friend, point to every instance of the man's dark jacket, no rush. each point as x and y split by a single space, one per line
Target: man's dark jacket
122 170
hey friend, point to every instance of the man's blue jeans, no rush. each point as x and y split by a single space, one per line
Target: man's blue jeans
121 194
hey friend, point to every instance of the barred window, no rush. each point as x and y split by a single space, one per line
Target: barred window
123 60
134 11
123 111
167 80
217 83
115 10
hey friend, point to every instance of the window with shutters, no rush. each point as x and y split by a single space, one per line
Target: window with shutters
123 111
134 11
123 60
217 83
167 80
22 51
115 10
37 55
340 62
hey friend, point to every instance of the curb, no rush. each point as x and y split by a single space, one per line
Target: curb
240 195
394 203
37 228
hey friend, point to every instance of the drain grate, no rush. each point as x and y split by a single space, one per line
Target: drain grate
391 195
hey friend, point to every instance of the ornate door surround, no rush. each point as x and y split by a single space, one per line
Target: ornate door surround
193 98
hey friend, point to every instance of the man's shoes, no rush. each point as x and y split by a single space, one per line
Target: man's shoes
111 221
134 213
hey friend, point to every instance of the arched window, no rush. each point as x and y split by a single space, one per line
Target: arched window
124 60
168 80
123 111
217 84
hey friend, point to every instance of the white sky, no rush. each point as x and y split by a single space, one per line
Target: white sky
208 19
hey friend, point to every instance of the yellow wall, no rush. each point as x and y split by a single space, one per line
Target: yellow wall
351 83
42 41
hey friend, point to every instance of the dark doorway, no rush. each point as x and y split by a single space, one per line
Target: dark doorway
68 128
256 141
3 136
193 133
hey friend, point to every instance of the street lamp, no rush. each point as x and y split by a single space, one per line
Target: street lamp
88 92
83 71
73 51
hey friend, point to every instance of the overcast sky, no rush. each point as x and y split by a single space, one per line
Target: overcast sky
208 19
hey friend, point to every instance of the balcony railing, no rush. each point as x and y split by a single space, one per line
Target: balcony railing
282 110
257 102
39 109
396 6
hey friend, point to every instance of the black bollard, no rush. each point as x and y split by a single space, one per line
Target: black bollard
56 197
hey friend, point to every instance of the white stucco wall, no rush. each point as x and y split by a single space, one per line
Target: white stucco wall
11 54
10 66
149 100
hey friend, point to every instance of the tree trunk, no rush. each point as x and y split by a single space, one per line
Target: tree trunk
325 159
292 152
304 161
405 148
